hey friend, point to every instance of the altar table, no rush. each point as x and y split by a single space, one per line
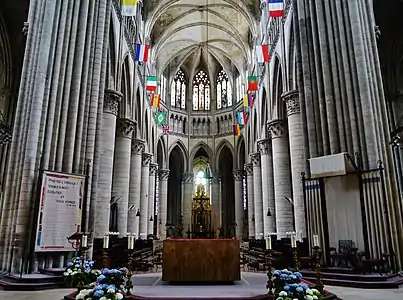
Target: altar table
201 260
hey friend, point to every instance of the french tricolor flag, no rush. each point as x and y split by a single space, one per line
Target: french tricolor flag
262 53
276 8
142 52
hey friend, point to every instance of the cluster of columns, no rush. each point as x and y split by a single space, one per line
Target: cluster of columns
274 188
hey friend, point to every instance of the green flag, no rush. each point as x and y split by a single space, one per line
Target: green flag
160 120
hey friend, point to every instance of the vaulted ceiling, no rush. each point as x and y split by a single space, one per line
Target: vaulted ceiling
201 33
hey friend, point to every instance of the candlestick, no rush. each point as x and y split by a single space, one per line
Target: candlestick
268 243
293 242
319 283
106 241
269 284
84 241
316 240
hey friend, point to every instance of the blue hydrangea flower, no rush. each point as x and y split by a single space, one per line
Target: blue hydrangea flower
99 293
101 278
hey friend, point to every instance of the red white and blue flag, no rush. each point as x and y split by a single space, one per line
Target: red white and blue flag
142 52
276 8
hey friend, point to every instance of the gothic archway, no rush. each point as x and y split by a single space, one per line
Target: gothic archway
225 167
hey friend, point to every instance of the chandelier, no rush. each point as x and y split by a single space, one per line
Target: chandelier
5 132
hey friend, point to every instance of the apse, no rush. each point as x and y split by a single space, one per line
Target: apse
174 207
225 166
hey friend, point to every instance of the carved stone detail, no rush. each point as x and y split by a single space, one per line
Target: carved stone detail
248 169
125 128
264 146
238 175
255 159
291 99
277 128
163 174
187 178
138 146
146 159
153 169
25 28
216 178
111 101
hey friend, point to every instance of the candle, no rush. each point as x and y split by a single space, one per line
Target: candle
268 243
84 241
316 240
106 241
293 242
129 242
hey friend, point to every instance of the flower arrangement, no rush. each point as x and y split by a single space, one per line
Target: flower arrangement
288 286
79 271
110 285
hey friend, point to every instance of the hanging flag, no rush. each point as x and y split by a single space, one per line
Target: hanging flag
276 8
160 120
155 100
236 129
165 129
142 52
151 85
262 53
252 83
242 118
129 8
247 100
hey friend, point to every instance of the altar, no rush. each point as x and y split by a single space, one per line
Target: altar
201 260
201 226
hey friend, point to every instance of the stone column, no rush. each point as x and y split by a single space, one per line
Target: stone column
111 106
257 194
215 202
121 171
187 201
151 198
239 212
296 139
251 203
145 180
162 203
282 177
134 188
269 218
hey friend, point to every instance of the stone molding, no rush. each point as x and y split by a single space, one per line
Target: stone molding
25 28
216 178
264 146
255 159
291 100
187 178
125 128
153 169
163 174
111 101
277 128
146 159
238 175
248 169
138 146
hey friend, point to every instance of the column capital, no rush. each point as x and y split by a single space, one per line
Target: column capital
138 146
111 101
163 174
248 169
146 159
238 175
125 128
216 177
153 169
291 100
277 128
264 146
255 159
187 177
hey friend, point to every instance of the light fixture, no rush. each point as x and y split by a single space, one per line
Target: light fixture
268 212
5 132
138 213
151 218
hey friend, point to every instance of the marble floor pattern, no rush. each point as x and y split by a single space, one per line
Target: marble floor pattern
342 292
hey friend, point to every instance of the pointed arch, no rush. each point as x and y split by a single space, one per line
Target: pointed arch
138 113
112 57
263 113
224 143
240 152
196 148
178 90
182 148
161 153
278 107
145 129
201 91
125 107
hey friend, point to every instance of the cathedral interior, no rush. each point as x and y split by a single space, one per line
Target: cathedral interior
319 153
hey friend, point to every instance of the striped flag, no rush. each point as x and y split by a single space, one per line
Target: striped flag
262 53
247 100
151 85
155 100
142 52
242 118
252 83
129 8
236 129
276 8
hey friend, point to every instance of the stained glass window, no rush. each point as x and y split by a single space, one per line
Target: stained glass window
178 90
240 88
224 91
201 91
